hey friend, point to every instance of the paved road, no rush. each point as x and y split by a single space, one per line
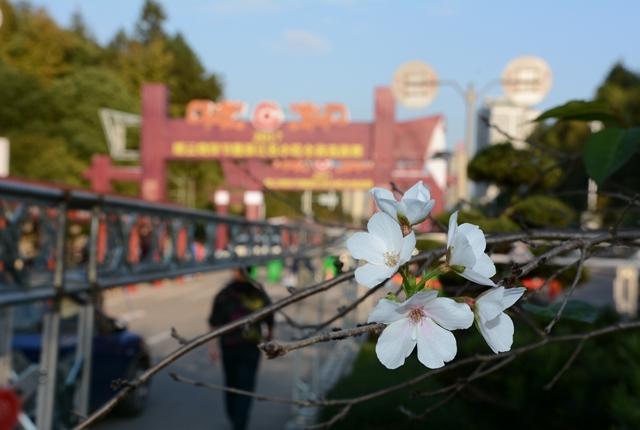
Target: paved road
152 311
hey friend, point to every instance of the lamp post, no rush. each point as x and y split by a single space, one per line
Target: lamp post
525 80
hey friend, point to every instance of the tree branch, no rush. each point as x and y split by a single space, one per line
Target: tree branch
575 240
569 293
275 349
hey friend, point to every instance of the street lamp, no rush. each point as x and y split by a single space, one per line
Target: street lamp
525 80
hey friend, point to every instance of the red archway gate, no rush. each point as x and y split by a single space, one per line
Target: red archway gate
316 148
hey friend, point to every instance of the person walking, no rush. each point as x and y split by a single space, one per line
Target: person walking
239 348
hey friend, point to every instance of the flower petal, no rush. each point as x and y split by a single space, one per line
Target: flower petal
386 312
474 235
371 275
385 201
477 278
418 300
365 246
489 304
381 193
453 226
395 343
417 192
511 296
386 229
498 333
462 253
408 245
484 266
449 314
435 344
417 211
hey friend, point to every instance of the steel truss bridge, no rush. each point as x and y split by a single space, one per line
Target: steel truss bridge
57 243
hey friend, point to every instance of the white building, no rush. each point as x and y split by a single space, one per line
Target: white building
499 120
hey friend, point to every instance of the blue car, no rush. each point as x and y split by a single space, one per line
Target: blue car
118 354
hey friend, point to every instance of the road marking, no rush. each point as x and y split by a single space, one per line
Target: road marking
159 337
133 315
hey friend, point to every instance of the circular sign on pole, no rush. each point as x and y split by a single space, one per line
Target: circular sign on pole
415 84
527 80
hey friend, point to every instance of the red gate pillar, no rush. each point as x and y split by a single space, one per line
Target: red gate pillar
254 205
154 142
222 198
383 136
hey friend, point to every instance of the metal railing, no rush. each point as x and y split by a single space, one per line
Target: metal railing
134 241
56 242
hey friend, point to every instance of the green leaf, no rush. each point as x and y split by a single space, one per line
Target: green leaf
608 150
580 110
392 297
575 310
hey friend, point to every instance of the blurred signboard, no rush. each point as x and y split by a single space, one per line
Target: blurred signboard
526 80
256 149
415 85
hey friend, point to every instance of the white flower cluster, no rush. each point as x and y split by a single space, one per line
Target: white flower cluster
423 318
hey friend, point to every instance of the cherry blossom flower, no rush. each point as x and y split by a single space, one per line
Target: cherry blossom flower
383 248
413 207
495 326
424 320
465 252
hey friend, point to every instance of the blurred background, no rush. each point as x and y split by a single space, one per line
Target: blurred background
290 111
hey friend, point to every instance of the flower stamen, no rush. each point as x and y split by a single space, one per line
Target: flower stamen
391 258
416 315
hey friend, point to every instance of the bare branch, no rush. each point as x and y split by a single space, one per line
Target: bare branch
275 349
569 293
261 397
566 366
575 239
181 340
337 417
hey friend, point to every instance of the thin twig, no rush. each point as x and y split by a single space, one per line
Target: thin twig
587 238
181 340
275 349
569 293
566 365
252 394
503 359
337 417
618 222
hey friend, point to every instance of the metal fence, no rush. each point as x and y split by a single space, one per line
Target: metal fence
56 243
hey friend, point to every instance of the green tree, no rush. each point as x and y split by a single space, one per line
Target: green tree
53 163
191 81
24 104
76 100
149 24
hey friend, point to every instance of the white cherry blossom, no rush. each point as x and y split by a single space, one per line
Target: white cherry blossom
495 326
465 252
424 320
383 248
413 207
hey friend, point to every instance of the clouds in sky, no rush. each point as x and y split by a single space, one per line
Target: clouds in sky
299 42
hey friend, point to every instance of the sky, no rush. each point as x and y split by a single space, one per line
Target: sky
340 50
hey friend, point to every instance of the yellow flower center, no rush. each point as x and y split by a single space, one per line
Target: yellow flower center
416 315
391 259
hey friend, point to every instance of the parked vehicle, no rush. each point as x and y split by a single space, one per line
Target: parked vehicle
118 354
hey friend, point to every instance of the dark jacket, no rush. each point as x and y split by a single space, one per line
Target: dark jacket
237 300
